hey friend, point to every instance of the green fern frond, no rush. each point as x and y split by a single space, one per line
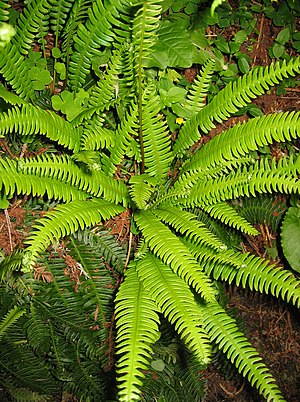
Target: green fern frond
229 216
12 181
249 271
105 93
167 246
196 96
141 188
187 224
4 14
95 136
156 139
233 97
63 168
97 31
262 177
59 12
177 303
105 244
34 16
10 318
10 97
37 332
33 120
223 330
238 141
15 71
137 330
64 220
123 137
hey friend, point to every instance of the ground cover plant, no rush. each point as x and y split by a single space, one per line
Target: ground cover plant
124 158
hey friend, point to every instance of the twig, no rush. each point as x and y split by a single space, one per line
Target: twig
8 229
259 37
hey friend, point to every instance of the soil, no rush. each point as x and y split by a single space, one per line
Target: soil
272 326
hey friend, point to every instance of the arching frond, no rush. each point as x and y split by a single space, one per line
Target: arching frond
33 120
196 96
177 303
238 141
187 224
249 271
141 188
228 215
10 97
233 97
12 181
167 246
64 220
15 71
64 169
137 330
223 330
95 136
13 315
156 139
34 17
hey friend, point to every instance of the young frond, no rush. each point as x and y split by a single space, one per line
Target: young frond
137 330
141 188
168 247
33 120
263 177
10 97
223 330
177 303
95 136
59 13
64 220
156 139
34 17
232 98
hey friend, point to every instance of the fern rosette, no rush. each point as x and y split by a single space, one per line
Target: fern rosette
115 165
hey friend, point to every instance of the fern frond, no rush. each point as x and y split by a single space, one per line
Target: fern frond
15 71
250 271
33 120
262 177
34 16
59 12
229 216
196 96
105 93
167 246
156 139
137 330
4 14
10 97
95 136
233 97
177 303
141 188
223 330
96 32
123 136
12 181
187 224
9 319
238 141
64 220
63 168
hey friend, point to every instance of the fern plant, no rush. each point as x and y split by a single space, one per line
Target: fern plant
116 160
